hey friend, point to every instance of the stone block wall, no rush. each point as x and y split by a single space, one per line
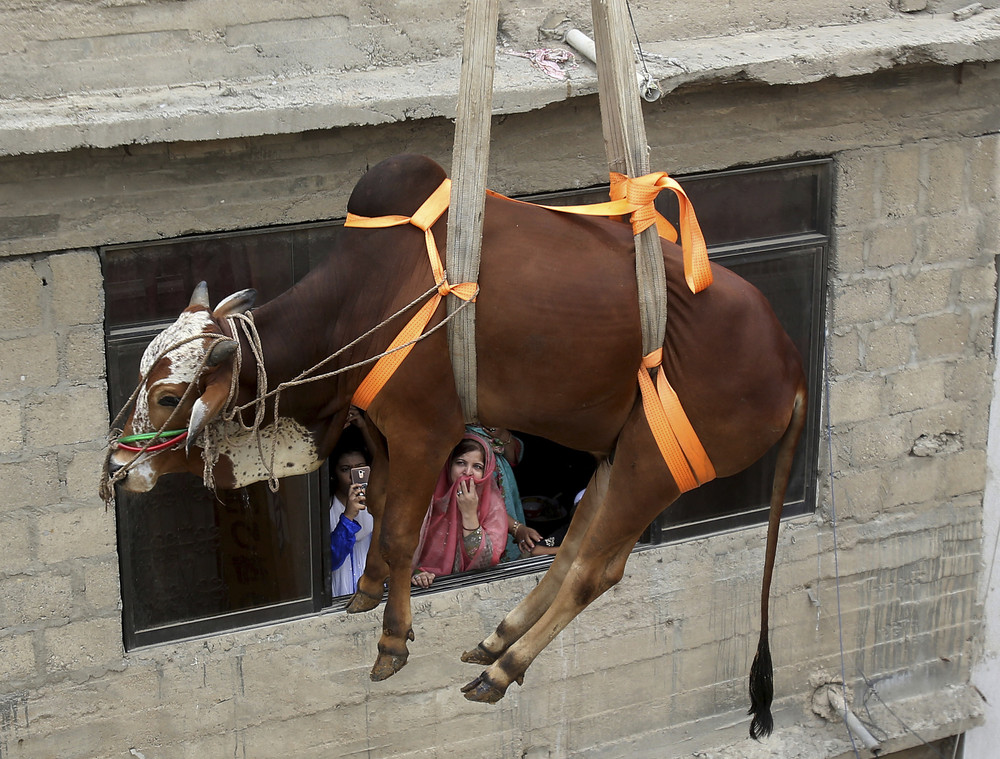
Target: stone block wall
656 667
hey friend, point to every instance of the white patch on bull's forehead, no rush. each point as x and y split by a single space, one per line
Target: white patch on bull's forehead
185 360
294 453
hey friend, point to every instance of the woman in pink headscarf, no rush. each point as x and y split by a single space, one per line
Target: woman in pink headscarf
466 525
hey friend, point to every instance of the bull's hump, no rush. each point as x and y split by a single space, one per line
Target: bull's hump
397 185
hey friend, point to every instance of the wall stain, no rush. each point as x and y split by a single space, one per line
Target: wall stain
13 719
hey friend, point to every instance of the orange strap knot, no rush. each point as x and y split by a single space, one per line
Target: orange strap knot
634 196
424 219
652 360
640 192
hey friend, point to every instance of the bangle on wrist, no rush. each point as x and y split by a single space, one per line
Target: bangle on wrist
515 528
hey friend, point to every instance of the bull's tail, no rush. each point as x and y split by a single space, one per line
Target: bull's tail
761 676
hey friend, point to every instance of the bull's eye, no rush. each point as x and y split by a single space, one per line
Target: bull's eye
169 400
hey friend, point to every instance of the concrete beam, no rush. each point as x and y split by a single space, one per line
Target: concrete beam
288 105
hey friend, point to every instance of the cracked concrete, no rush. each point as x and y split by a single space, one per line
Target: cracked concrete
295 101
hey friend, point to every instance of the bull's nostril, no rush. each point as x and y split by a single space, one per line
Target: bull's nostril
114 467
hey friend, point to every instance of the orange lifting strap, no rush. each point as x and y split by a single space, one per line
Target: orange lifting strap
675 437
425 218
634 197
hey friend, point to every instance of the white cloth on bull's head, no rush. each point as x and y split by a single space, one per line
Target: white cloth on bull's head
185 359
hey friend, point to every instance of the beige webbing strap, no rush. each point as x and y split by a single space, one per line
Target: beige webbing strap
470 163
628 153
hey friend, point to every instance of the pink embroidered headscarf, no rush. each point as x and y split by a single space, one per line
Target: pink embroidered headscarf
441 550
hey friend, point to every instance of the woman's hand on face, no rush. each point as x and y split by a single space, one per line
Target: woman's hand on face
423 579
468 499
355 501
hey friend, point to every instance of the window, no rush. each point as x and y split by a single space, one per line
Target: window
192 563
771 226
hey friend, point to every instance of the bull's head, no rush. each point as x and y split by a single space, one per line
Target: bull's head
186 374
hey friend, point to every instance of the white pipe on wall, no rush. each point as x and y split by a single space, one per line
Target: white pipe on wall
839 705
583 44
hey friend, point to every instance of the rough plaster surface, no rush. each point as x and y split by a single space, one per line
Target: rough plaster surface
292 99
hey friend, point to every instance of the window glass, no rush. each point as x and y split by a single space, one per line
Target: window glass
761 203
194 561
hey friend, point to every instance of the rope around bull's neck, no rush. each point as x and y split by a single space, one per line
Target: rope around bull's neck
210 444
246 324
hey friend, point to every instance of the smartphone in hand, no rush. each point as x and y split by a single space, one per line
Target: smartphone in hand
360 474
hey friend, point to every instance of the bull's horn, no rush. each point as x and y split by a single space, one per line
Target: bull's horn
206 408
200 295
237 303
221 350
199 418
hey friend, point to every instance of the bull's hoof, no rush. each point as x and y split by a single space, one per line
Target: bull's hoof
361 601
479 655
386 665
482 690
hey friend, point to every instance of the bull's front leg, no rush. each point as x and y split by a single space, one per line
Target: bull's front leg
413 471
371 584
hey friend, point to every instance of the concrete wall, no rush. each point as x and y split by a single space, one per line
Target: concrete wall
657 667
68 46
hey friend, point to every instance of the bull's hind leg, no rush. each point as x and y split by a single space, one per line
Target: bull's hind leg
639 487
526 613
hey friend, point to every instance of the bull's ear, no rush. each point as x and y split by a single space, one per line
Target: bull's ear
200 296
237 303
209 405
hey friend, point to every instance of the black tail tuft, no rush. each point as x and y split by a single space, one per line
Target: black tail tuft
761 691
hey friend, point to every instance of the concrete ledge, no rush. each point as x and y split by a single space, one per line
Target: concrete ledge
232 109
899 723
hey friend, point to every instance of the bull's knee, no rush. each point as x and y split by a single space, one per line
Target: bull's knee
590 584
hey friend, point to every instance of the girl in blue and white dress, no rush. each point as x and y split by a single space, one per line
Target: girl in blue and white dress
350 524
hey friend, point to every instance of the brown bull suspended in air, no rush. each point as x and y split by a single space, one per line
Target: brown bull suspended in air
559 347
